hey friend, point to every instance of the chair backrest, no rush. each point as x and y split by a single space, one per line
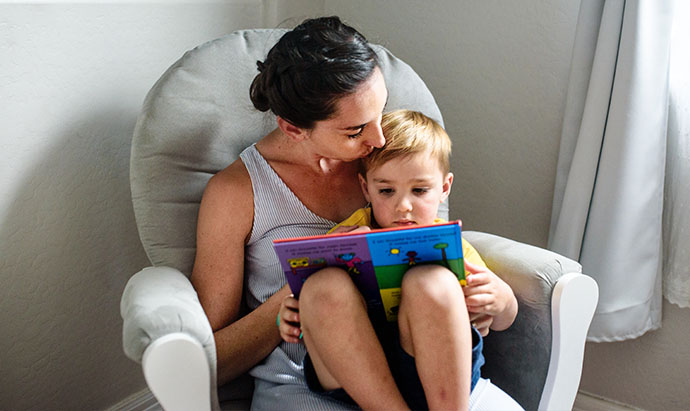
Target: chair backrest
198 118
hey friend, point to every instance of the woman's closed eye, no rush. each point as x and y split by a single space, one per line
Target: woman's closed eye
357 134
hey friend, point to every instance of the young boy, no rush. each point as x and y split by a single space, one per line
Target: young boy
405 181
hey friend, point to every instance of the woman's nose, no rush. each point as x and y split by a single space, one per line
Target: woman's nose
375 137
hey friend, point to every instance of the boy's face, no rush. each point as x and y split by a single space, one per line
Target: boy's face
406 191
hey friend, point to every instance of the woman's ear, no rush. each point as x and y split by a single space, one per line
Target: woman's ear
291 130
365 187
447 183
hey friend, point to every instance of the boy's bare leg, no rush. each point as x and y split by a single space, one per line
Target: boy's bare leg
342 343
435 329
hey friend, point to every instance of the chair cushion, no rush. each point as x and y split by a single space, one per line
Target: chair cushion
197 119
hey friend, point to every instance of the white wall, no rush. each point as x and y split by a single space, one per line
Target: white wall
72 80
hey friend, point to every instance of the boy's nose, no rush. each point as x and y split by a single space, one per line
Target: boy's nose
404 205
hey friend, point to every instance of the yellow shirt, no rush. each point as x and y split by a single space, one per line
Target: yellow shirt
363 217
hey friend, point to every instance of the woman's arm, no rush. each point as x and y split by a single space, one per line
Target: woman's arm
224 224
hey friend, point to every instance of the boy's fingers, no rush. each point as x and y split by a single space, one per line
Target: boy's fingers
475 317
478 287
479 278
473 268
481 321
478 301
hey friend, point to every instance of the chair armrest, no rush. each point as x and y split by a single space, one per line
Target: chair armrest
160 302
574 301
517 359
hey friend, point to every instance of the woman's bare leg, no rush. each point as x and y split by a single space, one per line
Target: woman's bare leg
342 343
435 329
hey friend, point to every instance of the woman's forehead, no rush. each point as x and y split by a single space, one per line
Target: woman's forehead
362 106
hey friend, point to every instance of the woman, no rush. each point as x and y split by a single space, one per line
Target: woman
323 82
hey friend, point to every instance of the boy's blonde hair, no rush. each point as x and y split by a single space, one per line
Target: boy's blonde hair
410 132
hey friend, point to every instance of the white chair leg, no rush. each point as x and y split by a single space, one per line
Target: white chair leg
177 373
574 300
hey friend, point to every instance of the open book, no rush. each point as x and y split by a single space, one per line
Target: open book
376 260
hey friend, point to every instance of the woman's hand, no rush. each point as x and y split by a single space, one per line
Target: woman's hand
288 320
486 295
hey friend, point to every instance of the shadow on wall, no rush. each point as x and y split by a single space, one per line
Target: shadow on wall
68 245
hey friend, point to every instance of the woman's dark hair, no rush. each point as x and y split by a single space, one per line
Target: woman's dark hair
310 68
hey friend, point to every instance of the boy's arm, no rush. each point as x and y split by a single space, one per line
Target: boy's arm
487 294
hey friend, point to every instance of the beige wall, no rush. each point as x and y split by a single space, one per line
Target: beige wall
651 372
73 77
498 71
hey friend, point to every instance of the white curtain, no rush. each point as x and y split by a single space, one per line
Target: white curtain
677 195
608 198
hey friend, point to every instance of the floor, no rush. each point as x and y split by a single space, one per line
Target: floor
144 401
588 402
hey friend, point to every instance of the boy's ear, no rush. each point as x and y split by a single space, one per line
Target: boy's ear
291 130
365 187
447 183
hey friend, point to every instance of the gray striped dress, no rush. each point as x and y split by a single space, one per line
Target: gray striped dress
278 213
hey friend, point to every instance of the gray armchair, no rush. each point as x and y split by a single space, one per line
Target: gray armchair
195 121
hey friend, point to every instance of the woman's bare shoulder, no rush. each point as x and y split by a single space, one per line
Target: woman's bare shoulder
228 197
231 178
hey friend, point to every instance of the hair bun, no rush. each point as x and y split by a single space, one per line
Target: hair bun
310 68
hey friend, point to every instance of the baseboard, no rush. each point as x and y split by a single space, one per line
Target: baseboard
140 401
590 402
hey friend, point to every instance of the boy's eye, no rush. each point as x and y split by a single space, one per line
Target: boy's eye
420 191
385 191
357 134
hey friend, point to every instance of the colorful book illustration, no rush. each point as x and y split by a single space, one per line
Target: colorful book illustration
376 260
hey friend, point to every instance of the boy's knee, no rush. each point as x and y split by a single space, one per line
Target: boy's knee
431 285
326 290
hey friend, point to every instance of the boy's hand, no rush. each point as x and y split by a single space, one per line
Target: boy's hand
487 295
289 324
351 229
482 322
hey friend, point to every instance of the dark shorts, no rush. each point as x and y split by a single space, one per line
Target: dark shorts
402 366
